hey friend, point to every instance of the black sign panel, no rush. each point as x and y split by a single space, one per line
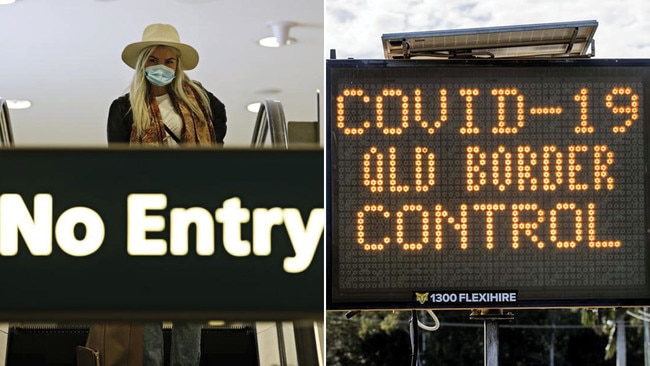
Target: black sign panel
478 184
161 234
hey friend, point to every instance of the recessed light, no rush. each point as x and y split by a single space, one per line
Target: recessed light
18 103
254 107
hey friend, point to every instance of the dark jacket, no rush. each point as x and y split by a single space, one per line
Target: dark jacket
120 119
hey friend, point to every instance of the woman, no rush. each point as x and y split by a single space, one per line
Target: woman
164 108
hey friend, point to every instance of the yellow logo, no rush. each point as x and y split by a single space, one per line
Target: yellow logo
421 298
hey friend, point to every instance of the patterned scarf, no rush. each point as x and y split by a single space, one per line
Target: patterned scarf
196 129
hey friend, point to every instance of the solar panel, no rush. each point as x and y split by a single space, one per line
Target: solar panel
547 40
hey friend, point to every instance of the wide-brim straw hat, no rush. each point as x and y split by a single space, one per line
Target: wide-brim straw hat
161 35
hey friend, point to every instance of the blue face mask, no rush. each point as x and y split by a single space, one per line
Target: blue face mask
159 75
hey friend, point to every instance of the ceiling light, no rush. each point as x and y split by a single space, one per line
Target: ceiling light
273 42
280 37
254 107
7 2
18 103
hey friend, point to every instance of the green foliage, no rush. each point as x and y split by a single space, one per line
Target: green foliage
373 322
603 321
376 338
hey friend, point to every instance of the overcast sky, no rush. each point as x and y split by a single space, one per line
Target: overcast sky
354 27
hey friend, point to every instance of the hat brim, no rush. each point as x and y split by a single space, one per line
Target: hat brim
189 56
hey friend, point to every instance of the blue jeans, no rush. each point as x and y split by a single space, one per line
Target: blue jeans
185 347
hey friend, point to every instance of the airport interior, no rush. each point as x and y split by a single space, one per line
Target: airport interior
57 86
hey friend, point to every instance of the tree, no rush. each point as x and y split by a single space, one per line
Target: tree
376 338
603 322
535 337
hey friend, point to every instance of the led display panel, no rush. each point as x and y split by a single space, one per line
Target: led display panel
486 184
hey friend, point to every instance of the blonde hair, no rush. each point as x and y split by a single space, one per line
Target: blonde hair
139 91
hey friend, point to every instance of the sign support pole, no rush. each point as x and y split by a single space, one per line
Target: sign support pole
491 318
491 343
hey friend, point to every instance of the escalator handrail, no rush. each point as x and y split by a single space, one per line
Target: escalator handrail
6 134
270 117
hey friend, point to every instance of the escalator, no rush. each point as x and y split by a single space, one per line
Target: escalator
272 130
299 342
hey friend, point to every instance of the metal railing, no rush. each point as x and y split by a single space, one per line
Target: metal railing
270 121
6 134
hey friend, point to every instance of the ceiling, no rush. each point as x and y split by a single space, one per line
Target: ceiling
64 56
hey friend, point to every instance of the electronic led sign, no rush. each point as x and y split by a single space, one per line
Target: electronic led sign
487 184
